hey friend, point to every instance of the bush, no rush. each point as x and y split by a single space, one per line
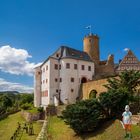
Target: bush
40 109
83 116
26 106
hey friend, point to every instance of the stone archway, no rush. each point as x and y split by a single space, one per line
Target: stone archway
92 94
84 80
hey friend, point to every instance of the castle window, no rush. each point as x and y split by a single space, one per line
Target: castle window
46 68
43 69
57 55
90 40
83 67
89 68
75 66
72 90
72 79
46 93
60 66
39 73
60 79
57 90
55 79
68 65
46 80
56 66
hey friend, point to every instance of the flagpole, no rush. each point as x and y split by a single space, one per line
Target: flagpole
89 28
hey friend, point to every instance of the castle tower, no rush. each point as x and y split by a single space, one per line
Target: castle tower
37 87
91 47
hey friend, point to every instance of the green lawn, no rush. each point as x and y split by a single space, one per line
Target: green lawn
112 130
9 125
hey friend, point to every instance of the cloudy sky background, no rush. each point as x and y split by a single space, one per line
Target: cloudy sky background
31 30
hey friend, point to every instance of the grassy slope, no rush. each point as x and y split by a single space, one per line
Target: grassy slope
110 131
9 125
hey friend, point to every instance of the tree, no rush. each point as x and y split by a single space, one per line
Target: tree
83 116
120 91
5 101
26 98
127 79
113 101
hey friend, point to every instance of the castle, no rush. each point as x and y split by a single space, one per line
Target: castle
59 78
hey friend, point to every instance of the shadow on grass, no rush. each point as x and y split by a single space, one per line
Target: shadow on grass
99 130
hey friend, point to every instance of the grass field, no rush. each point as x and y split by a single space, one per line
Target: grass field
112 130
9 125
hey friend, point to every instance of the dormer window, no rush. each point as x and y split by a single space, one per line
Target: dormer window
57 55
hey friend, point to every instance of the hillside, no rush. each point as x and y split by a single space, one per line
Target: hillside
13 92
9 125
112 130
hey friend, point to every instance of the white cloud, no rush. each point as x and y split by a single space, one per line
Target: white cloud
126 49
14 61
9 86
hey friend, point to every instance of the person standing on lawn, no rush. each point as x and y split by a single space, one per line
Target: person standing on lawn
127 121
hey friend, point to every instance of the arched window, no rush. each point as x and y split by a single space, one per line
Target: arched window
84 80
92 94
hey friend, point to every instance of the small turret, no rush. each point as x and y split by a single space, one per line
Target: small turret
110 60
37 87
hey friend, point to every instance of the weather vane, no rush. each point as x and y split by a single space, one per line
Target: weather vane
89 28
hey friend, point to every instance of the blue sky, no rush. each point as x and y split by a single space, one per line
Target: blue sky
31 30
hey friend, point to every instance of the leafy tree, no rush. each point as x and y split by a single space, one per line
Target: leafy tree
26 106
83 116
120 91
26 98
5 101
127 79
113 101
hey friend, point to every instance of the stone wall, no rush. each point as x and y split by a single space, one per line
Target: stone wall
93 85
29 117
97 85
102 71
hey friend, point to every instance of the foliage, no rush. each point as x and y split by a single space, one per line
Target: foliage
26 98
5 101
113 101
121 91
127 79
86 115
26 106
40 109
83 116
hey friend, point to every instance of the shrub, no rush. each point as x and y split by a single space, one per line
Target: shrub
26 106
83 116
40 109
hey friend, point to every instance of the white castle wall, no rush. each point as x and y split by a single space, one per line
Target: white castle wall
66 86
